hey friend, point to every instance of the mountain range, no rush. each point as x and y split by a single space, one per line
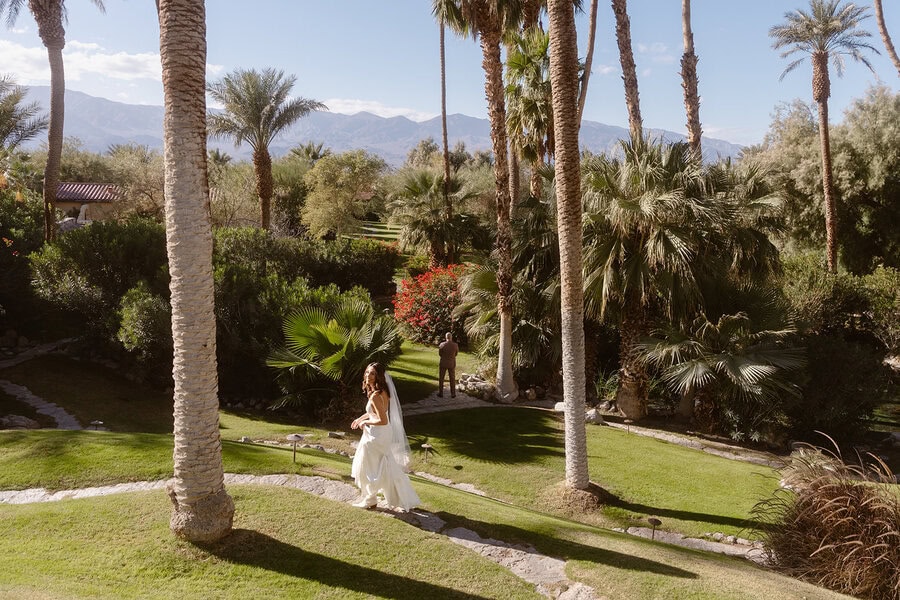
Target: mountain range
99 123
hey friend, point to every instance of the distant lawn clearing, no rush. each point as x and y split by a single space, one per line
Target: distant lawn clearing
415 372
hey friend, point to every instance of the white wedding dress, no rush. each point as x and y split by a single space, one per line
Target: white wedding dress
381 459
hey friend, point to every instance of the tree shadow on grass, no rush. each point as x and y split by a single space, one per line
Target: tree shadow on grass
565 549
494 435
684 515
248 547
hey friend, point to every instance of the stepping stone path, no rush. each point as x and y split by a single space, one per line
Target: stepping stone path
63 419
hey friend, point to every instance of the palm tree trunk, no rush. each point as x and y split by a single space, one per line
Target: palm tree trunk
588 60
49 19
885 37
821 92
564 83
447 203
203 510
513 176
631 397
629 71
686 405
689 80
262 168
493 85
54 137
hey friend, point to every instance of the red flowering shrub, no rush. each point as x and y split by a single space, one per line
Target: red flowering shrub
424 305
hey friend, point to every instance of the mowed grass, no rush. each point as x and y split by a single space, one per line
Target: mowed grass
518 455
378 231
288 544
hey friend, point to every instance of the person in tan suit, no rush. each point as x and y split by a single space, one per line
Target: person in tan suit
448 349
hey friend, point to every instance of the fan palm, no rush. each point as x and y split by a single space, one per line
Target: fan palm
829 31
418 207
49 15
489 20
18 122
733 373
257 107
311 152
529 119
643 217
326 351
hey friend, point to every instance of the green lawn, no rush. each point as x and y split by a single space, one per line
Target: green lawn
377 231
120 547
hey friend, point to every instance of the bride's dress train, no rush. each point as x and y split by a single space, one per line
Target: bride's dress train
376 470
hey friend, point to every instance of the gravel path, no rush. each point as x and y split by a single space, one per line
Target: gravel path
63 419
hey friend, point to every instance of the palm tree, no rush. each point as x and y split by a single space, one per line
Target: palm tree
730 370
203 510
327 350
885 36
311 152
257 107
689 79
529 117
418 207
829 30
49 16
629 72
642 229
18 122
488 20
564 78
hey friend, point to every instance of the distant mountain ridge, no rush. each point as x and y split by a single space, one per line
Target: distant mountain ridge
100 123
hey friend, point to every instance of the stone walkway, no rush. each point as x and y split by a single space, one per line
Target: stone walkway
63 419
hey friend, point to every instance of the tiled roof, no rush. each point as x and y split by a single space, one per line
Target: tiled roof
87 192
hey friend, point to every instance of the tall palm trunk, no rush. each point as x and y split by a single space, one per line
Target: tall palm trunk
885 37
49 18
564 83
203 510
689 80
514 182
631 395
588 60
629 71
448 205
493 86
821 93
262 168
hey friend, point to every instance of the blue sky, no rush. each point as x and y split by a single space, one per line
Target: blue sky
383 57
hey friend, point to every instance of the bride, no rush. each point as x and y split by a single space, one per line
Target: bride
383 453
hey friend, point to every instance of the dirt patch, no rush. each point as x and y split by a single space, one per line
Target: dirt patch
569 502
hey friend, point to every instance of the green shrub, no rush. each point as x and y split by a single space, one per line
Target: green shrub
835 525
883 287
824 302
250 307
88 270
21 233
351 262
844 382
345 263
146 328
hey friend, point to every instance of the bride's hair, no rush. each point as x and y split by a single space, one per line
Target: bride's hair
380 384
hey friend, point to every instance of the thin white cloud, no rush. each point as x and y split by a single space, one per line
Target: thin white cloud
84 61
603 69
19 30
349 106
657 52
